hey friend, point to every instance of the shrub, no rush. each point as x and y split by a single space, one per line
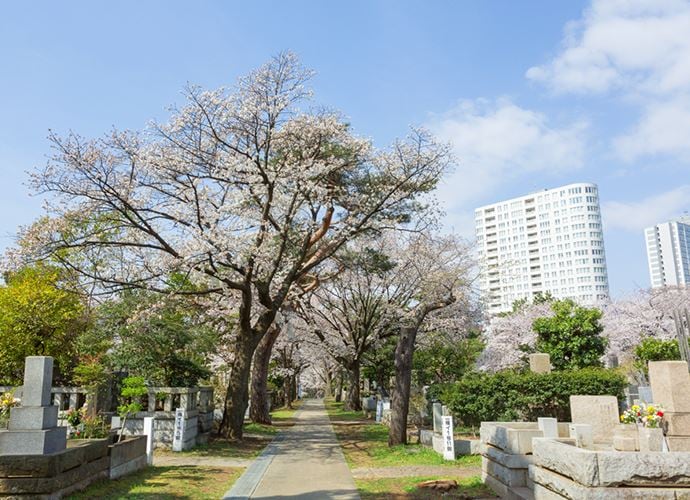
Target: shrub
572 336
509 395
651 349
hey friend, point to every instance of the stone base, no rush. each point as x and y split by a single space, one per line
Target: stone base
549 485
33 418
678 443
35 442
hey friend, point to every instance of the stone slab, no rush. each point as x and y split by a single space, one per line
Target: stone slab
33 417
670 382
513 437
583 435
506 493
567 488
568 460
643 469
128 467
507 459
36 442
625 443
509 477
601 412
548 426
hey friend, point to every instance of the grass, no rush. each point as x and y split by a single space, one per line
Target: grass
152 483
257 436
406 487
365 444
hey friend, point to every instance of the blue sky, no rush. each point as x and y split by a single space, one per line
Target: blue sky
532 94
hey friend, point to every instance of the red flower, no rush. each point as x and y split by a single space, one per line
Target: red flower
638 413
660 413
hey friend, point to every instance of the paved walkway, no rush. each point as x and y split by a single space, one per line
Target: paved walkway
305 461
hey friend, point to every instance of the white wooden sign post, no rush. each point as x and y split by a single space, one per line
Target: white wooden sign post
448 441
178 433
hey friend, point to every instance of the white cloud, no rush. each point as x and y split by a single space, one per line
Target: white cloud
664 128
497 142
639 49
635 216
638 45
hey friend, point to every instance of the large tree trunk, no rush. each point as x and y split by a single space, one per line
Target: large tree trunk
400 400
237 394
353 401
259 410
339 388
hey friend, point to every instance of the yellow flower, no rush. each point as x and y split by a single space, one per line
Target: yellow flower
635 407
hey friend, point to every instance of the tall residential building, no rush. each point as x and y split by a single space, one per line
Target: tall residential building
549 241
668 253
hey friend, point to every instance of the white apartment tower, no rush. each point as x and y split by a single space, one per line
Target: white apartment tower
668 253
549 241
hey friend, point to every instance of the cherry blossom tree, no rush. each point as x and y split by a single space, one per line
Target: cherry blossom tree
348 313
430 274
243 192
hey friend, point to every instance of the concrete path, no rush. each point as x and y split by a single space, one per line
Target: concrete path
305 461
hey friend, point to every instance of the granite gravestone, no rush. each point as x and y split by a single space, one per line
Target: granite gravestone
33 428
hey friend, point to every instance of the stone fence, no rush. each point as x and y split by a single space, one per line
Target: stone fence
161 403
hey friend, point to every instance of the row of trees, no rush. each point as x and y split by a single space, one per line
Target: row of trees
249 203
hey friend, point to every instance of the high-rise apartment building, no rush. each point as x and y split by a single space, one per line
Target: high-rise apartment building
548 241
668 253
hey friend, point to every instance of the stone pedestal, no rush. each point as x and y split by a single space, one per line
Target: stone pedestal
32 428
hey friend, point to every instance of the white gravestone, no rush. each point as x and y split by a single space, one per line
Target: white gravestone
448 440
379 410
148 432
178 432
436 413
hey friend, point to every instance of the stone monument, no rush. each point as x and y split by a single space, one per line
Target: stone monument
670 383
32 428
601 412
540 363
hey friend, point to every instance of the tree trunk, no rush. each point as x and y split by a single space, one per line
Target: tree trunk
328 390
259 410
400 400
339 388
237 394
353 402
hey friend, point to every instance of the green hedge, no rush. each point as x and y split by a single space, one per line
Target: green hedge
509 395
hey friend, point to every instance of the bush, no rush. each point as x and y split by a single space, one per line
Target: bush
509 395
651 349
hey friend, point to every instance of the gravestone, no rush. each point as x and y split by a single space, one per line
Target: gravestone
148 432
540 363
33 428
601 412
670 383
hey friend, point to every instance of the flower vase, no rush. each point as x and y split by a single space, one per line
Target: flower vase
651 439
